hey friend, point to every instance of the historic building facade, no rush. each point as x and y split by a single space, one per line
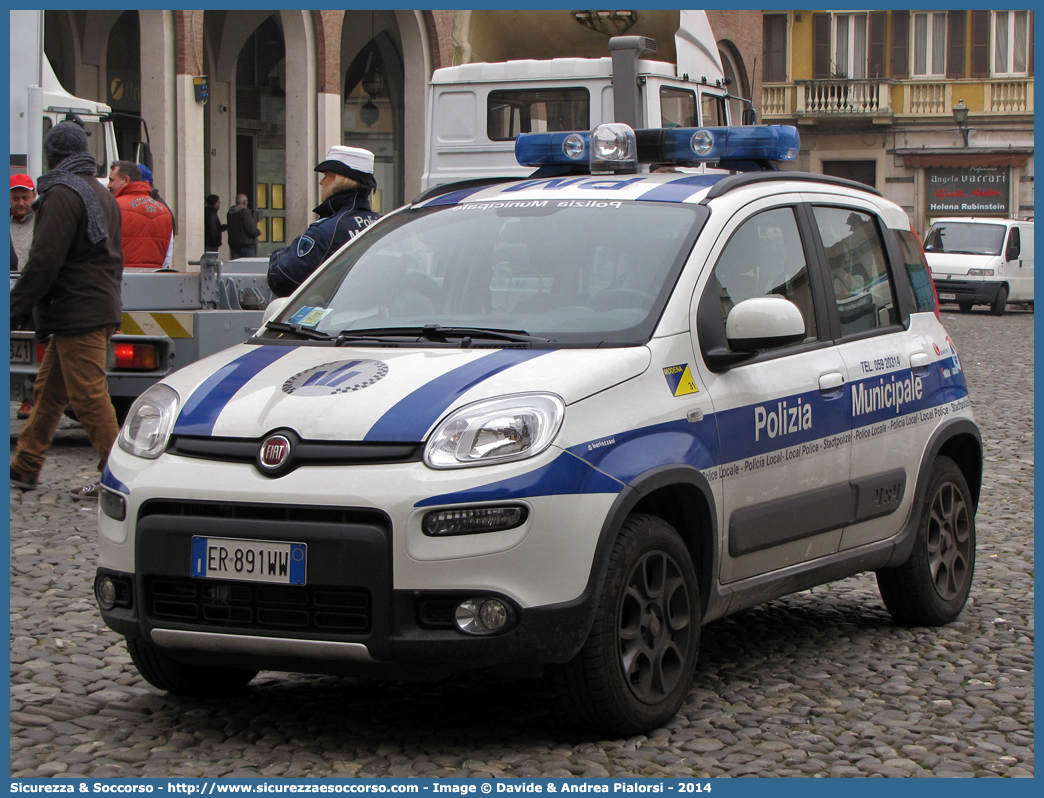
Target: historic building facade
933 108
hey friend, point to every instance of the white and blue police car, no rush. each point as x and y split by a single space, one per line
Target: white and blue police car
560 421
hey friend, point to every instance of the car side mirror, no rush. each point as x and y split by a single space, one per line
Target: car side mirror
764 322
750 116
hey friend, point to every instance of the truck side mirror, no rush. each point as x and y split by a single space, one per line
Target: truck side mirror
750 116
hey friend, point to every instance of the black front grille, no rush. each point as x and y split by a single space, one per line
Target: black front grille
305 452
307 608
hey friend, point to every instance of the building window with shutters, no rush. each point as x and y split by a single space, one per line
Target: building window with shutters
849 50
775 48
1010 42
929 44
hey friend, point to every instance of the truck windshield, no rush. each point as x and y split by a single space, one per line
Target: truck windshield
590 273
965 239
95 141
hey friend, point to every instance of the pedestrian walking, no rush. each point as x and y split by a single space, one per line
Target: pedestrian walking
71 284
243 231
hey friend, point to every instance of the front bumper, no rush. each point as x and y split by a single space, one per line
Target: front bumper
378 591
975 291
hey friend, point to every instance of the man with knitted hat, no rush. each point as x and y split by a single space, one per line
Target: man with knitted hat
71 285
23 218
343 213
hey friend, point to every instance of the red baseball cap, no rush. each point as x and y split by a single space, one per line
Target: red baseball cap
22 181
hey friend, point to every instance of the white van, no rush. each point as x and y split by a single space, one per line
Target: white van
981 261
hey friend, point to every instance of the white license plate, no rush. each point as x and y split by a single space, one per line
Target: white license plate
951 297
21 352
248 560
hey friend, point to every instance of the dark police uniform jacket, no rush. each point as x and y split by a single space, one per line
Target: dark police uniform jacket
342 217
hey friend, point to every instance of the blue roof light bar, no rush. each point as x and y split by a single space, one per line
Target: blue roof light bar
679 146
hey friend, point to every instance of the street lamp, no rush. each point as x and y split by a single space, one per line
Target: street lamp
960 116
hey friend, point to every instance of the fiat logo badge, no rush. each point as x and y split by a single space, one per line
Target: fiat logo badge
275 451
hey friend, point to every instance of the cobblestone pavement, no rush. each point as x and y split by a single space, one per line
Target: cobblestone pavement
820 683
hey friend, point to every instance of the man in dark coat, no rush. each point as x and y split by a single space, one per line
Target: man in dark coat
242 229
71 284
212 227
344 213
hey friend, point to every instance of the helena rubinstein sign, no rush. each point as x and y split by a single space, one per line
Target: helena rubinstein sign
968 190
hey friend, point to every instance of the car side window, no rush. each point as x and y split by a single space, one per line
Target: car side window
858 269
765 257
1014 245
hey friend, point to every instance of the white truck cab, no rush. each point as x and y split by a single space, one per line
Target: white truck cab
38 102
981 261
478 110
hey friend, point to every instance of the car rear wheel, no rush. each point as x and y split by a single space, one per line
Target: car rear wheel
633 673
166 673
1001 301
933 586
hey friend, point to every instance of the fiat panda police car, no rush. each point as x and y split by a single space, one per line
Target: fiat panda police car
560 421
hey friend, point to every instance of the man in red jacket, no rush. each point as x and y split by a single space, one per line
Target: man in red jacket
148 227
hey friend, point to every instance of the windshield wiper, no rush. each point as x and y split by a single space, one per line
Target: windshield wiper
297 329
438 333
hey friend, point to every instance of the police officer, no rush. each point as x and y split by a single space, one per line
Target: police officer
344 213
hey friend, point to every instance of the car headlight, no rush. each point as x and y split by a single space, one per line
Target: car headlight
980 272
149 422
495 431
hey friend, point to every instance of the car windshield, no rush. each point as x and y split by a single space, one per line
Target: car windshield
965 239
502 273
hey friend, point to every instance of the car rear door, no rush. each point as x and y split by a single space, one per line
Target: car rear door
886 361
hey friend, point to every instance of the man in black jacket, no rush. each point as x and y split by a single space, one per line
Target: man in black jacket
212 227
71 284
242 229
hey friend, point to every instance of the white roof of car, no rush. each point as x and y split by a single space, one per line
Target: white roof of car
673 187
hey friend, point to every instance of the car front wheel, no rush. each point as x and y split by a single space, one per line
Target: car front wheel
633 673
933 586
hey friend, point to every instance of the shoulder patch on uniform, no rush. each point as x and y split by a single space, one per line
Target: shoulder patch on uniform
304 246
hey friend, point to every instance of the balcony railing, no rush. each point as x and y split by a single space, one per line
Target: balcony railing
843 97
1009 96
920 97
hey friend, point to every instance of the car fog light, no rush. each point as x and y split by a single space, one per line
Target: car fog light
473 520
482 616
113 504
105 590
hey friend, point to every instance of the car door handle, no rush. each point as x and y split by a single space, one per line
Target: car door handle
919 363
831 384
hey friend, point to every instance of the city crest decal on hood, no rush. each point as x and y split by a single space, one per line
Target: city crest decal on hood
341 376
